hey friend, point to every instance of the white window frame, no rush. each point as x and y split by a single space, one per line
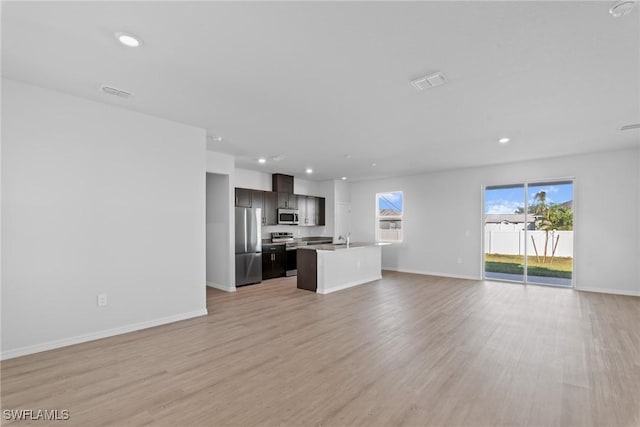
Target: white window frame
379 218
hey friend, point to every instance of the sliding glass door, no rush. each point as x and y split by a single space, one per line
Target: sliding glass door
528 233
504 232
550 240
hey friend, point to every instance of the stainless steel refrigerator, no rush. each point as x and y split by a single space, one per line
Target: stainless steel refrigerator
248 246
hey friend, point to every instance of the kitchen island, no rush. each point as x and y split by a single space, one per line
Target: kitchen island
329 267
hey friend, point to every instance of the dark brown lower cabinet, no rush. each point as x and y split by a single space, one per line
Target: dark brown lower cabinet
307 270
273 261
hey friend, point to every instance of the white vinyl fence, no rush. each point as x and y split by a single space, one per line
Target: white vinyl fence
392 235
512 242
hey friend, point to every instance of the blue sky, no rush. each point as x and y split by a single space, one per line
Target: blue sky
390 201
507 200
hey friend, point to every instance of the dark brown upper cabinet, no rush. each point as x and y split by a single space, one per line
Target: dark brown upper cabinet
311 210
321 211
243 197
257 199
270 208
266 200
287 201
282 183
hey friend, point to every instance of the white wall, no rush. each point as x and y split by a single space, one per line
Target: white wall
220 163
343 194
262 181
342 207
606 215
96 199
253 179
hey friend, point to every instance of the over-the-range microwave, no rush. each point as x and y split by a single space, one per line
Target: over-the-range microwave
288 216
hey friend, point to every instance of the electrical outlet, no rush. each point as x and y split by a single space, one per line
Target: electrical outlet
102 300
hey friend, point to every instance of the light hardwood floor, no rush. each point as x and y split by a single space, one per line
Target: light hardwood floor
404 350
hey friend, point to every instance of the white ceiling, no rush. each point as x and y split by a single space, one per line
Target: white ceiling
315 81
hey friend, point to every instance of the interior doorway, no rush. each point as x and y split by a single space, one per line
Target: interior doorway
219 226
529 233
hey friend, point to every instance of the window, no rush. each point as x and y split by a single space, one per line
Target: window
389 209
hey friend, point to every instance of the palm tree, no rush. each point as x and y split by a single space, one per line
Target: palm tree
548 217
542 214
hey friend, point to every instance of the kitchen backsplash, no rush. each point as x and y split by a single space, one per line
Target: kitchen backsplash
296 230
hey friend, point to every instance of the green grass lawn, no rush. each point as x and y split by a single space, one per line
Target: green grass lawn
513 264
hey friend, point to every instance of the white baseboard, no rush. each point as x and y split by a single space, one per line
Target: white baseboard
349 285
610 291
50 345
221 287
432 273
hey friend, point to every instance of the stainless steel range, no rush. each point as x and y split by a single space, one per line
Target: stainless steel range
282 237
291 261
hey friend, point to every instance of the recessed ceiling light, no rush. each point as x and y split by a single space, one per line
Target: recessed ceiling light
374 164
278 157
262 160
504 140
129 39
216 138
621 8
343 178
347 156
309 170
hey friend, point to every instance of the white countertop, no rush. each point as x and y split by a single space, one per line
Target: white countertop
342 246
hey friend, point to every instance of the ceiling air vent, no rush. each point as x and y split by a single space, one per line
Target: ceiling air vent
629 127
427 82
116 92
